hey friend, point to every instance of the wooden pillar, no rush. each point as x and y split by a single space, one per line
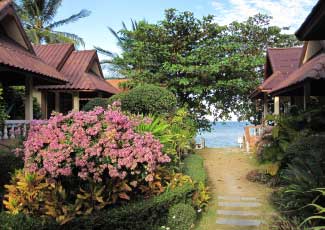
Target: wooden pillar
44 105
276 105
76 101
307 92
29 98
57 102
265 106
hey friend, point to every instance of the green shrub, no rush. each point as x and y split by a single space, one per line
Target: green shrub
140 215
147 99
305 173
194 167
23 222
181 217
96 102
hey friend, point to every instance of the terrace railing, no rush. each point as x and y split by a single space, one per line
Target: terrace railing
13 129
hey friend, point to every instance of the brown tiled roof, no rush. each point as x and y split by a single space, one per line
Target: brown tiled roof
116 82
54 54
285 60
76 70
16 56
314 69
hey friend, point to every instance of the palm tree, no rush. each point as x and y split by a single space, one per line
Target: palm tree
120 40
38 20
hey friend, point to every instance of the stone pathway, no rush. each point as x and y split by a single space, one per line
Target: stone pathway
238 212
236 203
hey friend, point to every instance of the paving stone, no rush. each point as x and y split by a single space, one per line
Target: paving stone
237 198
239 204
236 213
238 222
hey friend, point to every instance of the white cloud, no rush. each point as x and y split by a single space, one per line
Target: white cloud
285 13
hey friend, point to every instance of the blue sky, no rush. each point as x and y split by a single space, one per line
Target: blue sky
112 12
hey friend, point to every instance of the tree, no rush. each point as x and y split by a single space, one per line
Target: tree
38 20
211 68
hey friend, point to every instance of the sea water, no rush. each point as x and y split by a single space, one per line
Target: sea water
223 134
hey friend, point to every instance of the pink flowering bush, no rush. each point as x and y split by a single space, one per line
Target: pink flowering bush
92 146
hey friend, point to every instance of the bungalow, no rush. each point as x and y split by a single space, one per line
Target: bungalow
303 74
117 82
19 65
83 71
280 63
60 77
309 80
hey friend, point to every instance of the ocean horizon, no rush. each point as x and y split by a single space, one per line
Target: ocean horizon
223 134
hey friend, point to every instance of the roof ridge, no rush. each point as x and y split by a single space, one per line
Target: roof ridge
54 44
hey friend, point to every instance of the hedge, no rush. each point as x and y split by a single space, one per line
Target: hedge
194 167
141 215
95 102
146 99
181 217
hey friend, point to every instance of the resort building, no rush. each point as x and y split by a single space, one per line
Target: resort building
308 81
19 64
280 63
83 72
295 76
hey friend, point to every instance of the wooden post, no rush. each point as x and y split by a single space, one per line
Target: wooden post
29 98
44 105
265 107
76 101
276 105
57 102
307 91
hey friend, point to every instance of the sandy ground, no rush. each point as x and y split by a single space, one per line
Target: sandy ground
227 169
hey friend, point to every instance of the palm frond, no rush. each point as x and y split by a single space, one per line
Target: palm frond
115 34
51 9
124 26
33 36
105 52
71 19
49 36
134 24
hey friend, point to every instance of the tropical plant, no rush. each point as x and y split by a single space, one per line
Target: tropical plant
38 16
304 173
3 114
317 220
26 193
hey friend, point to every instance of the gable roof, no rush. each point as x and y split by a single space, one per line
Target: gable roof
284 60
13 54
314 25
54 54
77 70
314 69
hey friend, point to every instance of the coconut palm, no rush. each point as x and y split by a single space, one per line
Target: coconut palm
38 16
120 40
